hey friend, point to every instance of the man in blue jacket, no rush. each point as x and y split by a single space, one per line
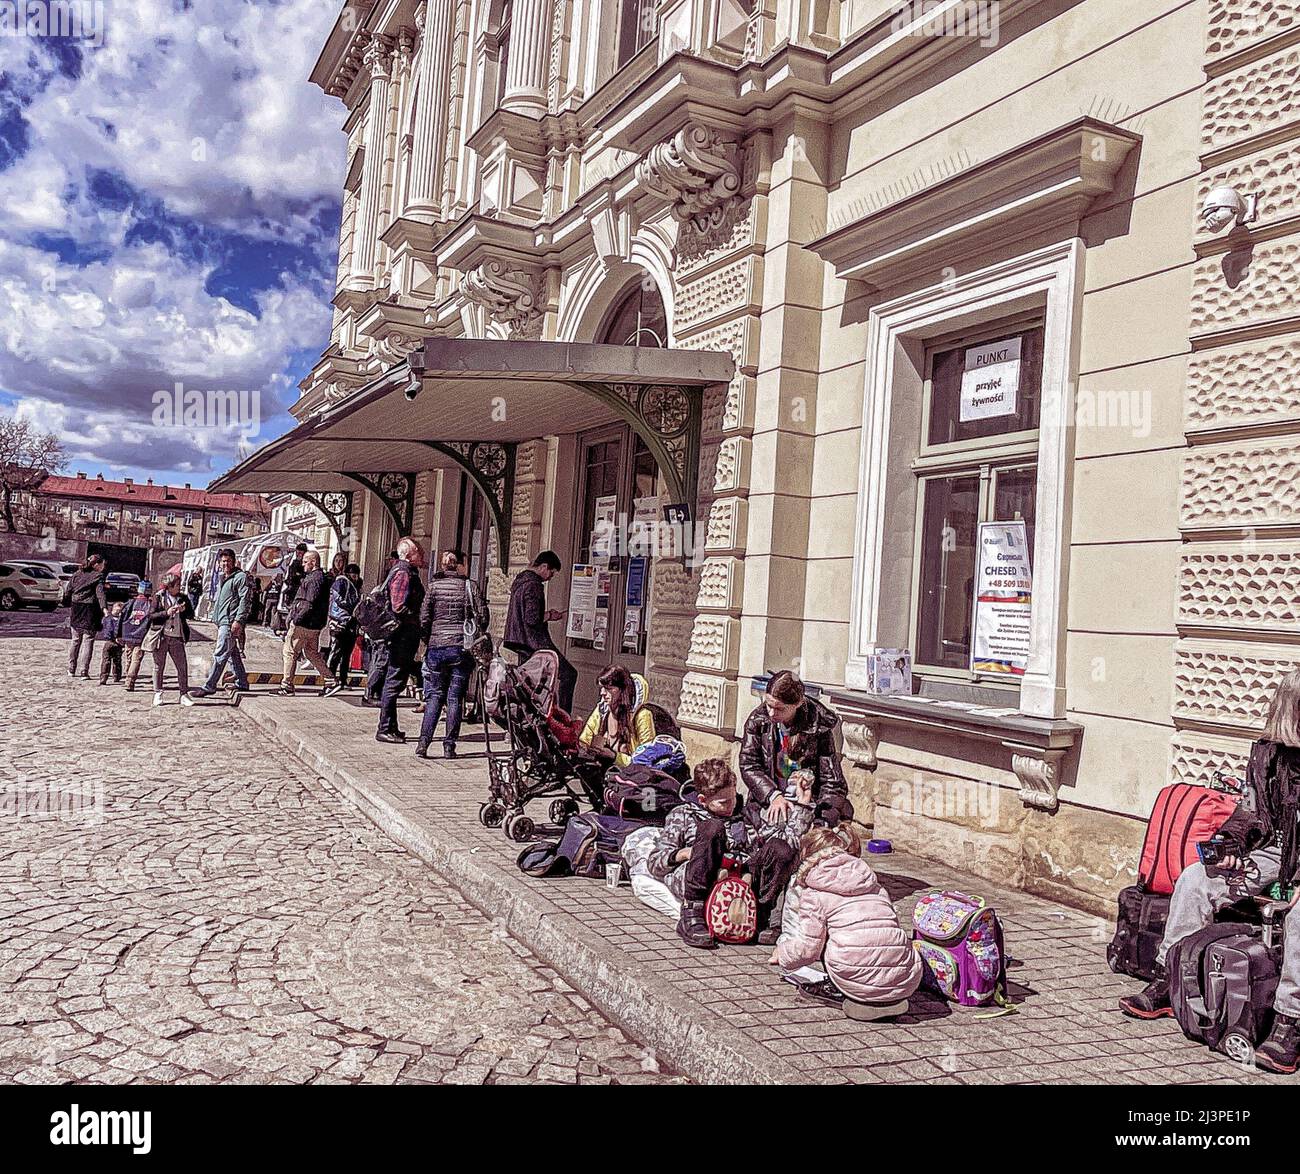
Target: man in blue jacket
230 613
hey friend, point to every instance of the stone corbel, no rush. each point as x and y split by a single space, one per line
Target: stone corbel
508 294
1039 773
860 742
698 171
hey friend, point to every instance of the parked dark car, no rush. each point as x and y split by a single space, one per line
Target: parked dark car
121 585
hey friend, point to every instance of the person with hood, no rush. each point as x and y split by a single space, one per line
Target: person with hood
715 822
308 615
230 612
452 618
848 923
85 595
527 619
135 630
345 594
620 722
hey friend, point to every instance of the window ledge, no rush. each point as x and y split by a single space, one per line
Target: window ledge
1037 746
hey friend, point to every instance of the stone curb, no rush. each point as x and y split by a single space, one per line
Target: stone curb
651 1010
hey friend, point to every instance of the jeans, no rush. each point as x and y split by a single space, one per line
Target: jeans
174 647
401 648
1198 896
74 654
226 651
446 677
305 642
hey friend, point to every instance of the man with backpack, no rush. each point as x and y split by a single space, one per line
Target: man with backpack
403 594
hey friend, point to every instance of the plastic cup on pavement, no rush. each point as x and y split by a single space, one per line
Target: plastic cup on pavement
613 874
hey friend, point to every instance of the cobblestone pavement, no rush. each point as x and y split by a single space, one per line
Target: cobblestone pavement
183 902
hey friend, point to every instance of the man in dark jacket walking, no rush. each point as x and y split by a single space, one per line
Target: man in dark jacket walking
307 617
377 659
405 595
454 615
528 617
85 595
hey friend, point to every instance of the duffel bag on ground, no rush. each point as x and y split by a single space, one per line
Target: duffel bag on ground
1139 928
1221 985
1184 816
642 792
959 938
589 842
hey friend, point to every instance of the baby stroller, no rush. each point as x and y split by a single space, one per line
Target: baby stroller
543 757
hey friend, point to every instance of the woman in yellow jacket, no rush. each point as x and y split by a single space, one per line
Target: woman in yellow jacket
620 722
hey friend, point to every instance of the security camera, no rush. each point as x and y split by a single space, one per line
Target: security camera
413 386
1224 208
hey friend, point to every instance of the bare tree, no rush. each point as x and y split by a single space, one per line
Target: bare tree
27 456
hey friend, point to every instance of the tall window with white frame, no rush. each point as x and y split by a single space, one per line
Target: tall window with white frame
977 462
503 48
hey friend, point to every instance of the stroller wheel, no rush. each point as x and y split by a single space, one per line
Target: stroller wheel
491 815
561 809
519 827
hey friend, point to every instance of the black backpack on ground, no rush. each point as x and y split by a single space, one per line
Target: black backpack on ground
643 793
1139 928
1221 985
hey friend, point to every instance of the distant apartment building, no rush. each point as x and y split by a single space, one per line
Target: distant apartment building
292 513
140 527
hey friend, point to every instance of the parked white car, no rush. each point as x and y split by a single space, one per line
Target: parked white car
61 570
28 586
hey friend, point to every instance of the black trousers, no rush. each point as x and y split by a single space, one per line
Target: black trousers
402 647
377 669
340 659
771 863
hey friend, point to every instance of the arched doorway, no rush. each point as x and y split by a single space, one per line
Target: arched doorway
617 484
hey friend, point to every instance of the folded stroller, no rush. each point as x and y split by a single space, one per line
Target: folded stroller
542 757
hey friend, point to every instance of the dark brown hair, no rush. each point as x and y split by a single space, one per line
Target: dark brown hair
788 689
712 776
618 678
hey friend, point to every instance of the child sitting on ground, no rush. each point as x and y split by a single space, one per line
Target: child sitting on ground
713 823
847 921
110 632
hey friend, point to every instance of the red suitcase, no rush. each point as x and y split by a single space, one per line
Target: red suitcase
1184 816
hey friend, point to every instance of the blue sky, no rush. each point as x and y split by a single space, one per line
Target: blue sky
171 216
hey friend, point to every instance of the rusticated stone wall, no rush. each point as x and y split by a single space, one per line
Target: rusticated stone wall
1239 573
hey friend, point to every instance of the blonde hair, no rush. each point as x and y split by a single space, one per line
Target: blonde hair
841 837
1283 723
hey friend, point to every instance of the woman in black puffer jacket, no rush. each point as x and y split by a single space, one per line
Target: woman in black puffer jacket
85 595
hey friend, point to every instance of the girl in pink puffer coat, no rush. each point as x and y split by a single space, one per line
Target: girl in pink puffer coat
847 921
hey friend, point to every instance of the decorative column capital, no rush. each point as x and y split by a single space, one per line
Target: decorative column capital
510 295
860 742
406 45
377 55
698 171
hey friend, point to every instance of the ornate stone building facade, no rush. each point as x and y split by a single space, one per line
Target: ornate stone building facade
737 258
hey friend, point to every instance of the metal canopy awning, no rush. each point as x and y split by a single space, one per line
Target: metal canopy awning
468 402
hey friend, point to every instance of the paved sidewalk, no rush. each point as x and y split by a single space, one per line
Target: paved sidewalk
724 1015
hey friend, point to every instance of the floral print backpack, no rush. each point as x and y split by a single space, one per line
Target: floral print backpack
959 938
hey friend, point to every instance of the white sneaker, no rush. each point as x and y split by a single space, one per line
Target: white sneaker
157 699
186 699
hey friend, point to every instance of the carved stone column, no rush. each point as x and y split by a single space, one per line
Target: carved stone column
525 90
434 21
377 58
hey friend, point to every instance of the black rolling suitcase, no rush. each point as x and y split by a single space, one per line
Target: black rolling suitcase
1139 926
1221 984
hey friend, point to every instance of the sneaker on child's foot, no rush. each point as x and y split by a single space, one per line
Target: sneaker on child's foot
158 698
823 991
769 936
693 929
186 699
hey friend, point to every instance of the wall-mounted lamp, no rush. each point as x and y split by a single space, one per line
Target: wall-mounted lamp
1224 208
